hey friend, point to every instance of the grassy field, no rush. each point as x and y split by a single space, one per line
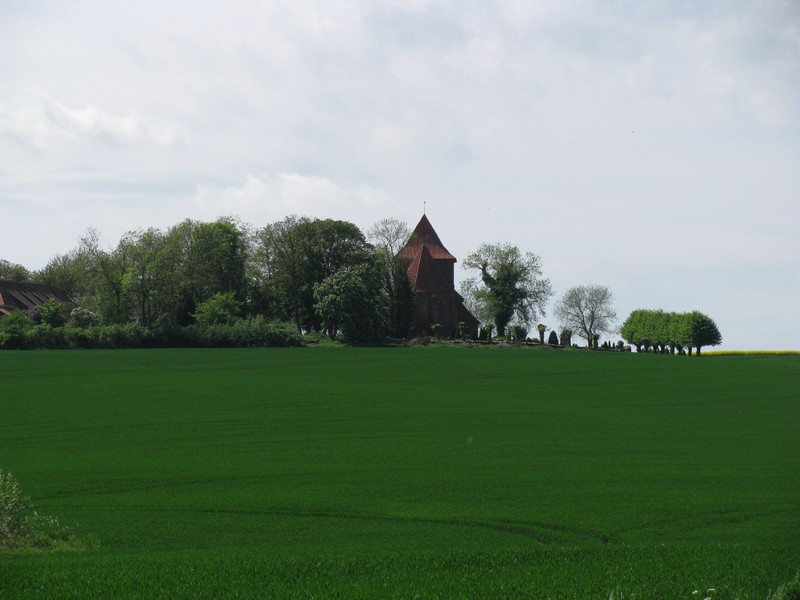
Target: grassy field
408 472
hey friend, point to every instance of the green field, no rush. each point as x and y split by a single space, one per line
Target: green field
407 472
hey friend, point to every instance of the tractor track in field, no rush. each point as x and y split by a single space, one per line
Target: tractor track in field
543 533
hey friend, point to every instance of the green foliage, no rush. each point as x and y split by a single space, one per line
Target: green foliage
44 336
350 302
13 329
519 333
658 330
219 309
298 253
512 287
251 332
69 273
389 236
21 526
13 271
83 317
52 313
13 506
701 331
787 591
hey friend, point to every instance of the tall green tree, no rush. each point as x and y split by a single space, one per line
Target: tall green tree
388 236
298 253
149 275
216 259
69 272
350 302
511 284
105 276
14 271
702 331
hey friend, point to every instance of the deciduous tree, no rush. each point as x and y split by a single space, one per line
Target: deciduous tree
389 236
350 301
587 309
13 271
511 284
298 253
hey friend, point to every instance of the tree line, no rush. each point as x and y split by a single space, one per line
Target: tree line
320 275
227 283
659 331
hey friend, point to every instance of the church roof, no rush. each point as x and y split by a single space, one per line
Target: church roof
424 235
425 275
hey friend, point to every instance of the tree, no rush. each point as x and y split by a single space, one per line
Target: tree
297 253
512 287
702 331
587 309
389 236
657 329
13 271
104 274
148 274
13 327
220 309
68 272
350 301
215 259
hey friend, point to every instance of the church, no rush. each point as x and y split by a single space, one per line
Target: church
438 307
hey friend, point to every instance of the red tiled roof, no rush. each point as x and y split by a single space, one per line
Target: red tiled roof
425 276
424 235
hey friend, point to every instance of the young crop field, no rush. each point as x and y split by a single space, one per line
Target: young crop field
405 472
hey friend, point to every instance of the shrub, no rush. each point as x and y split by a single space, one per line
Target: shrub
45 336
12 509
218 309
13 328
252 332
553 338
519 333
53 313
788 591
83 317
21 526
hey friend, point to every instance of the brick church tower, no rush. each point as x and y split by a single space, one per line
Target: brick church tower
431 271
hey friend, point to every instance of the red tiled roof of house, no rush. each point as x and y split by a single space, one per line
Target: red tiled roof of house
424 235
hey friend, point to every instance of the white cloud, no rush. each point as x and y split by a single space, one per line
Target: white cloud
41 121
261 199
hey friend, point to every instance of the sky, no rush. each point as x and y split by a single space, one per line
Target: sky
651 147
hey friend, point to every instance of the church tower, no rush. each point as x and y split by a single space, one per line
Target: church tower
431 270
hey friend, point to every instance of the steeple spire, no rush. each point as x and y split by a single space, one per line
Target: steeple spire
425 234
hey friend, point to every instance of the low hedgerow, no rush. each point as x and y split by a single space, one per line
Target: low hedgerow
252 332
45 336
17 331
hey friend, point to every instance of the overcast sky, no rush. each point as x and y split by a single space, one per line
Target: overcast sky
652 147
